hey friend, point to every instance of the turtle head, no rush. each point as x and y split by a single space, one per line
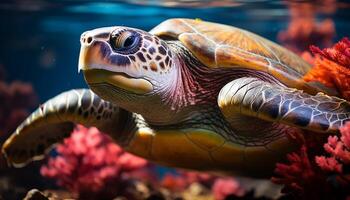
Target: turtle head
121 64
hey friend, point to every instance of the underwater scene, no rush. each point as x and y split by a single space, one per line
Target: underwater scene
189 99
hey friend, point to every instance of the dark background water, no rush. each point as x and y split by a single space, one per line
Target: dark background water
40 39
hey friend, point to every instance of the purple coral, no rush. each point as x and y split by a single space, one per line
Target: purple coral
91 165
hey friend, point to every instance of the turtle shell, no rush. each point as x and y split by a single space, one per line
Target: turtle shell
223 46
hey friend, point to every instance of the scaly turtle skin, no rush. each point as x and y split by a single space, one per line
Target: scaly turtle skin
188 94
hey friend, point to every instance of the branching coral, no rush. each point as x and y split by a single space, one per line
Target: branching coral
300 177
332 67
318 177
339 149
92 165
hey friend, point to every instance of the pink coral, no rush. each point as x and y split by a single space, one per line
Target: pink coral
339 151
224 187
304 29
91 164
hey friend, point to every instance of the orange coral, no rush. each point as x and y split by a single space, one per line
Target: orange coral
305 29
332 67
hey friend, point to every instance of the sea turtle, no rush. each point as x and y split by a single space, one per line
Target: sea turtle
188 94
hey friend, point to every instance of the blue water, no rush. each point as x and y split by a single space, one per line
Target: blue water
40 41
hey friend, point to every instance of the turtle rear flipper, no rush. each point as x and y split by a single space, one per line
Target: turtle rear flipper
54 120
271 102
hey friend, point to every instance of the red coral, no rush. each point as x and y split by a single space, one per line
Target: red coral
300 176
225 187
91 164
339 53
304 29
332 67
317 177
329 164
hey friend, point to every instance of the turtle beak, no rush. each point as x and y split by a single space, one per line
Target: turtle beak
86 50
82 59
90 50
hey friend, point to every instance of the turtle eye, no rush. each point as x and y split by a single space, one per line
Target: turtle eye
123 41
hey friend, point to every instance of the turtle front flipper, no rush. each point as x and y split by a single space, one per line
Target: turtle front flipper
54 120
271 102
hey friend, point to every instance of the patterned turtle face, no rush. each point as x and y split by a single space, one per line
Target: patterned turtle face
128 58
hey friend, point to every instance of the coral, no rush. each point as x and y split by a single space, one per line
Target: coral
339 53
321 168
90 164
332 67
304 29
339 149
308 176
224 187
17 99
300 177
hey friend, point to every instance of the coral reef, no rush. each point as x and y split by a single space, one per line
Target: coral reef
310 173
300 177
339 150
308 176
16 98
92 166
304 29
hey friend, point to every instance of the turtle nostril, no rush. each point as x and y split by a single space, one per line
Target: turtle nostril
89 40
86 39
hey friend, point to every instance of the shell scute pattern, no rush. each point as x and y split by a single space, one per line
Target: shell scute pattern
219 46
